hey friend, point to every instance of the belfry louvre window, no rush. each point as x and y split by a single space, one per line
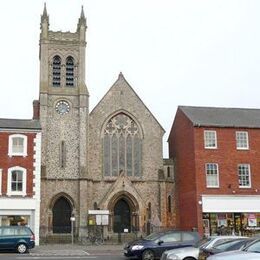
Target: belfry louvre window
122 146
70 72
56 71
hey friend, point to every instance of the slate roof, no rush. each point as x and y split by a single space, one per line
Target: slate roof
223 117
20 124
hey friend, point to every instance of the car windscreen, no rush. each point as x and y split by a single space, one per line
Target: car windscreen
226 245
203 242
254 247
153 236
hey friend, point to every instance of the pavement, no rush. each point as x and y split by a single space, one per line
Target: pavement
75 250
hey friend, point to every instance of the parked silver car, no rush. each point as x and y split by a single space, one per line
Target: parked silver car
251 252
192 253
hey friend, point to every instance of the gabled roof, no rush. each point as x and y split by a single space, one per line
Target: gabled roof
20 124
121 81
222 117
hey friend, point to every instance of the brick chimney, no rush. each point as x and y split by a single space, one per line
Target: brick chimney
36 109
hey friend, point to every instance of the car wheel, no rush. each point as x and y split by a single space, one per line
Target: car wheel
148 255
22 248
189 258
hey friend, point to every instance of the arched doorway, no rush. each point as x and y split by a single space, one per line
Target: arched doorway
61 216
122 216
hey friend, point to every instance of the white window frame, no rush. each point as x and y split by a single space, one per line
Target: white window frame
206 146
10 146
1 181
9 181
237 140
217 176
249 176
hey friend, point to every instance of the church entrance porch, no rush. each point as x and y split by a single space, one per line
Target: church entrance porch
122 217
124 214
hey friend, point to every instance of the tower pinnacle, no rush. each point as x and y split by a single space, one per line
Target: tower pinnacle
44 16
82 20
44 22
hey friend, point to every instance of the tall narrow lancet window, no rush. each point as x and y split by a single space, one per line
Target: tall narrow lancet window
56 71
69 72
62 154
122 146
169 204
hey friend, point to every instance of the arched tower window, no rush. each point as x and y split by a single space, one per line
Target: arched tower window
122 146
56 71
69 72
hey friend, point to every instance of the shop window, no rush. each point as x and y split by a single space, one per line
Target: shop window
17 145
244 176
212 175
16 181
242 140
210 139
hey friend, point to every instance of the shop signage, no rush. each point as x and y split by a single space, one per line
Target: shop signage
252 222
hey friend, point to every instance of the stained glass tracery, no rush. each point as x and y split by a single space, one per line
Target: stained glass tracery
122 146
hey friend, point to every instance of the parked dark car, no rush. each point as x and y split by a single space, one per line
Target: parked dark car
236 244
155 244
16 238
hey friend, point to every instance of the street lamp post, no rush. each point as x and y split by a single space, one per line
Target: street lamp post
72 219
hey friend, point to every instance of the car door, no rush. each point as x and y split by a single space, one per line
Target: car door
189 238
7 240
168 241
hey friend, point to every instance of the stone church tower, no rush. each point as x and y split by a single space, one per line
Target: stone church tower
64 120
109 159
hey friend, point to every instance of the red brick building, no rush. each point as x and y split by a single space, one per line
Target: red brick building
20 161
216 152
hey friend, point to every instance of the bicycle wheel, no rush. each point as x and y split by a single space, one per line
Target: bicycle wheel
99 241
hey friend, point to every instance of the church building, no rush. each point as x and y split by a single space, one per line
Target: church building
102 167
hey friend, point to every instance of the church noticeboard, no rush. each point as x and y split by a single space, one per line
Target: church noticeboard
98 217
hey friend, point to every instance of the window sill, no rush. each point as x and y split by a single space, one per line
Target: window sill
16 194
17 154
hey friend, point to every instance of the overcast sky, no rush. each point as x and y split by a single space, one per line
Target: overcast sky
172 52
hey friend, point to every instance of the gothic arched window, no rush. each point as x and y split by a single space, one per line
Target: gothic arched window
69 72
122 146
56 70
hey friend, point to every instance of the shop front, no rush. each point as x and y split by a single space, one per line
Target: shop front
231 215
20 211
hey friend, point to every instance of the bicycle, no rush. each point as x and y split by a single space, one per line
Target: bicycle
96 240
